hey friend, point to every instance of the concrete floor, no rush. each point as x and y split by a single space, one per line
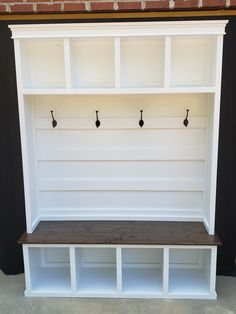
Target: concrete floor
12 301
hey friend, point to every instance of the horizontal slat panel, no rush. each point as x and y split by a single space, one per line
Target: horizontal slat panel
120 169
120 199
122 214
162 153
120 123
161 105
120 138
121 185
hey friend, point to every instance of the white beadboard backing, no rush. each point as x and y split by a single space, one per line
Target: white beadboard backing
78 170
120 199
121 170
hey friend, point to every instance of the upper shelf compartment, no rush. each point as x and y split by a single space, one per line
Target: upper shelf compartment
142 62
92 63
193 61
43 63
147 57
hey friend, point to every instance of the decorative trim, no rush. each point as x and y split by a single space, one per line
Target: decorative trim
117 15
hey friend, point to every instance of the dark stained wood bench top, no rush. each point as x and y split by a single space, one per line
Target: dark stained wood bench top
120 232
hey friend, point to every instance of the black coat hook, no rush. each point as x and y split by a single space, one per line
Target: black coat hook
54 122
185 122
97 123
141 122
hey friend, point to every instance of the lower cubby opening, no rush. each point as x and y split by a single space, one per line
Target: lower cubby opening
156 271
96 270
142 270
50 270
189 271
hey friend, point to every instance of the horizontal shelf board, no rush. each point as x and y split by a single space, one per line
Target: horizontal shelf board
120 232
114 91
121 185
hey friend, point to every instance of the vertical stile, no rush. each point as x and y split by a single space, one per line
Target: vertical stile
213 270
73 270
23 132
67 61
167 63
166 271
119 269
117 62
27 269
215 135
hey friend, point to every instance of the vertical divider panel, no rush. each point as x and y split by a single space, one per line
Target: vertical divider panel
27 269
117 61
166 271
23 132
119 269
215 135
213 270
73 270
167 64
67 61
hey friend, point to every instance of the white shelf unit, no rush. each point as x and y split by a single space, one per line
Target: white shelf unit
161 172
121 271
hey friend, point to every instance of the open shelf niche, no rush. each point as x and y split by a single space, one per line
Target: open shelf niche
96 270
142 270
193 61
92 63
50 269
43 63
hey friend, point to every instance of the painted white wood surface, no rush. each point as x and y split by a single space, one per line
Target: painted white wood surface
106 64
120 170
141 274
163 171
